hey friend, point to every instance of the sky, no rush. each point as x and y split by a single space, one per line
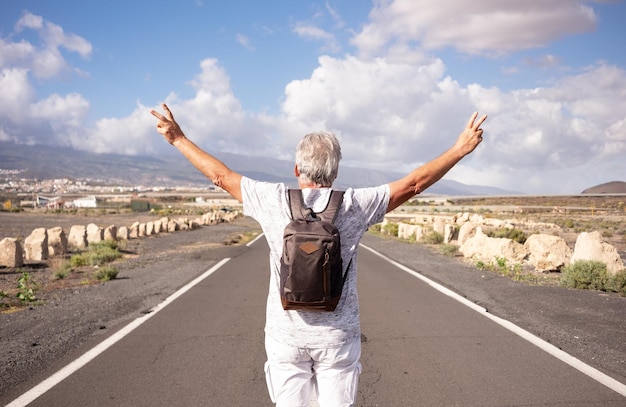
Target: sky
395 80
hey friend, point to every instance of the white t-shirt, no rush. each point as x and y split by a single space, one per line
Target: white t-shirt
268 204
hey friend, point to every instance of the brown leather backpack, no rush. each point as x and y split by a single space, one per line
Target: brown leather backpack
311 269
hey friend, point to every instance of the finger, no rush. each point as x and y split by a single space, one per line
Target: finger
470 124
157 115
480 121
168 112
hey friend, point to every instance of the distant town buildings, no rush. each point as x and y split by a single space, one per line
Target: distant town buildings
65 193
86 202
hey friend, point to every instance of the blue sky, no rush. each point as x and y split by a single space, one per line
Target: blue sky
396 80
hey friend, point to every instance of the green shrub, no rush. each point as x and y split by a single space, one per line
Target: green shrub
449 250
585 274
432 238
501 265
78 260
102 254
97 254
391 229
61 268
618 283
514 234
26 289
106 273
111 244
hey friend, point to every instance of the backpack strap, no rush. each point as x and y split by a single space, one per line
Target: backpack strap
299 211
329 214
296 205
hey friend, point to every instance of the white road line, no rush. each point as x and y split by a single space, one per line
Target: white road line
59 376
535 340
255 239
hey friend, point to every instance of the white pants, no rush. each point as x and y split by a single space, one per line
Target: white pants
293 374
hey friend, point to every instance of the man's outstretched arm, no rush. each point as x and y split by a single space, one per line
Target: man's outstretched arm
426 175
211 167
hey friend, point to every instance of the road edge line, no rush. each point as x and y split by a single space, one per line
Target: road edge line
37 391
253 241
563 356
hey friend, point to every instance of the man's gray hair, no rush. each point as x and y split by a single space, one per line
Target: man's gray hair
317 158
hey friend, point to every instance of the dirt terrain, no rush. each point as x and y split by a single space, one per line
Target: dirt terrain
19 225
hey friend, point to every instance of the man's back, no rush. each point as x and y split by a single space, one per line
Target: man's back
268 204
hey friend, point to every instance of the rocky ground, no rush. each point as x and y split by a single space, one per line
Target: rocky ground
573 214
590 325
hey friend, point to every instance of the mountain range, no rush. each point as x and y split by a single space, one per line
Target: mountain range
53 162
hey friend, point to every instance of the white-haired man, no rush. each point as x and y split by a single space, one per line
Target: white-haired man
316 351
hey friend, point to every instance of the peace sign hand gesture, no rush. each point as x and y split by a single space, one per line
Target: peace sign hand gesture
471 136
167 126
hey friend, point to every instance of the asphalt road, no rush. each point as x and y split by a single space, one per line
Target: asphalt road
420 348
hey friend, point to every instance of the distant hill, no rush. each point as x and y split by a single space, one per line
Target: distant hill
50 162
613 187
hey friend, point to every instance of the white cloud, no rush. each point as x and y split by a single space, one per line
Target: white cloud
15 54
313 33
62 112
4 136
245 41
132 135
380 109
53 35
489 27
43 60
544 61
29 20
17 92
24 116
26 120
395 115
213 118
334 14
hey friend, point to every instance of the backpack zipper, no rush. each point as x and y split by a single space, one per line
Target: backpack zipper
325 271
